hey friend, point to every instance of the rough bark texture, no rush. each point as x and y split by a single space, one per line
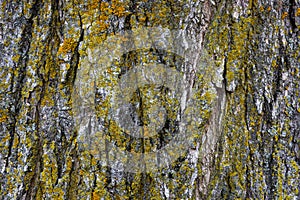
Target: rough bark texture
248 148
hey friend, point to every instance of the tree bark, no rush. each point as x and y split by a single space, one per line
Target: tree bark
246 145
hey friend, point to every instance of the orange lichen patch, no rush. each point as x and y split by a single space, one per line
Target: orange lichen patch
297 12
104 6
3 117
94 4
103 18
67 46
118 8
284 15
101 26
261 8
269 9
95 196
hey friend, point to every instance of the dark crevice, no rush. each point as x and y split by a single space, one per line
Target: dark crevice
71 186
291 12
75 58
37 155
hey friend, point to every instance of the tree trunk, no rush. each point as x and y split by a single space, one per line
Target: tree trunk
68 113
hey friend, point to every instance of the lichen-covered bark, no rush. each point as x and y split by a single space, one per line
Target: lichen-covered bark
248 146
258 152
